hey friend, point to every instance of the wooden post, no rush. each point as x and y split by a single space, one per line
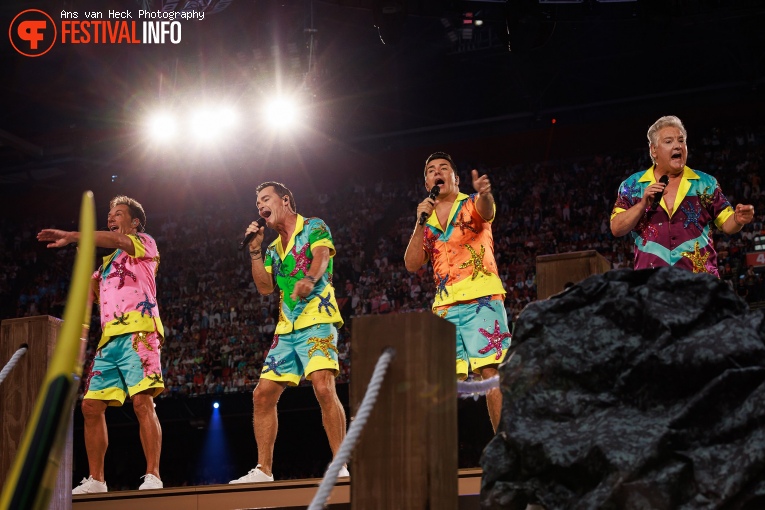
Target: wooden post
407 455
18 394
553 271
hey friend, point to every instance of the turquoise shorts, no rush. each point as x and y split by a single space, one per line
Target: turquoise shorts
127 364
483 336
301 352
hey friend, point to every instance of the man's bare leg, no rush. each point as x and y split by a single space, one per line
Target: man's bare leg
493 397
265 422
96 436
332 412
150 430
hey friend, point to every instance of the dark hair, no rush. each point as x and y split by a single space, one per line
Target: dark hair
135 208
439 155
280 189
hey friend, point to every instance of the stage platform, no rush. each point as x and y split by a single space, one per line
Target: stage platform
286 495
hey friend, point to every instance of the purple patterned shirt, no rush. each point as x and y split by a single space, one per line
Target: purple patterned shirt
681 239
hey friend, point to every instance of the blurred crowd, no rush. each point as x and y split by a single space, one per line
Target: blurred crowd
219 328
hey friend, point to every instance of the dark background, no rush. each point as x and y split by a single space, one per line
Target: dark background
75 117
200 449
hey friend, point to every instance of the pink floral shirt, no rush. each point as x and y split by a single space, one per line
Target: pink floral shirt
127 290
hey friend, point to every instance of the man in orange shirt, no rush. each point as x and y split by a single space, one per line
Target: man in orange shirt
457 239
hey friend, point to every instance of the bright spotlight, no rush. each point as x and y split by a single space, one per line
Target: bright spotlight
162 126
216 405
210 123
227 117
203 124
281 112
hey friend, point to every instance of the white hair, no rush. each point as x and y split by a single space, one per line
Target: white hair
666 121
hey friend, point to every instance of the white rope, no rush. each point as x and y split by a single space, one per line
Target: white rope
354 431
11 363
467 389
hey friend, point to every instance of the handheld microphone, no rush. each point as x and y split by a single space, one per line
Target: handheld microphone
261 223
432 195
657 196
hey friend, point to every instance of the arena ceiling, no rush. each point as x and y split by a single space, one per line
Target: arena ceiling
379 69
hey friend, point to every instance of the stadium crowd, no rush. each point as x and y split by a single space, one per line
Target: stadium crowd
219 329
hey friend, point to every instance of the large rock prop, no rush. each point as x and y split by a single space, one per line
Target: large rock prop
633 390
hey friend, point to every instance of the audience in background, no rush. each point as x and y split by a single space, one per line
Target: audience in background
219 329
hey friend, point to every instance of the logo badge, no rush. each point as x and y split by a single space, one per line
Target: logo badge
32 33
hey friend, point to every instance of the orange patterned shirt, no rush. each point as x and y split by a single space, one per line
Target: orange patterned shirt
462 254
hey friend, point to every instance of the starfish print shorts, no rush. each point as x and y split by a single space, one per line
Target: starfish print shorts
481 330
127 364
303 351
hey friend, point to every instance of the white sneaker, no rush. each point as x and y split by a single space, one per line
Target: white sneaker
343 472
150 482
254 476
89 485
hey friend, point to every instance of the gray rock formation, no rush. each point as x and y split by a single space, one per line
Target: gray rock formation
633 390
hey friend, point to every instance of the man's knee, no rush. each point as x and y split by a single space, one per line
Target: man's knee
93 408
324 385
488 372
143 405
266 395
258 398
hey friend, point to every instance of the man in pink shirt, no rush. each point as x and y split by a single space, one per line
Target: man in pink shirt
127 360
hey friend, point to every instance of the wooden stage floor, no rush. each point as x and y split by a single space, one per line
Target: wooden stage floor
287 495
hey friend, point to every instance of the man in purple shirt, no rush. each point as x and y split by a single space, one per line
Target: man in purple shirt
671 221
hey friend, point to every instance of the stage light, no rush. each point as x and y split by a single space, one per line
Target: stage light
281 112
211 122
228 117
162 126
214 458
200 124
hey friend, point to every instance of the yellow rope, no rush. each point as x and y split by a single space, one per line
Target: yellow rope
33 475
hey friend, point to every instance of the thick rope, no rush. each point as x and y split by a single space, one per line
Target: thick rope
11 363
467 389
354 431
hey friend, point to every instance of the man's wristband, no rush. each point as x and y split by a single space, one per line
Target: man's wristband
311 279
255 254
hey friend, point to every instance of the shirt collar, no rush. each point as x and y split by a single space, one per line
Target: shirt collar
277 243
433 219
648 175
